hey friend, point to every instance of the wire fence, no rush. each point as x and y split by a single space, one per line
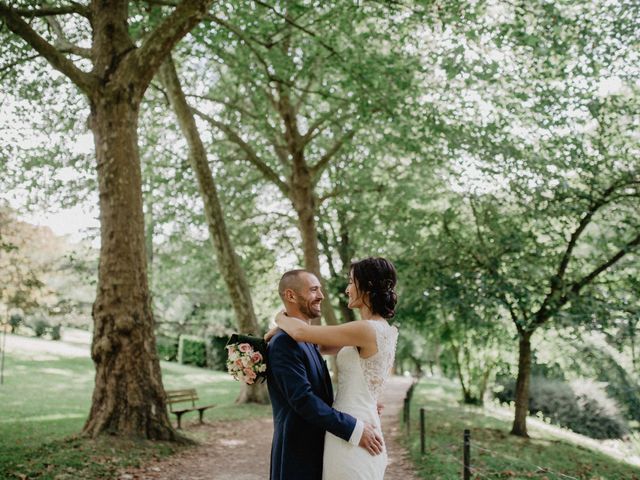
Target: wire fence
472 450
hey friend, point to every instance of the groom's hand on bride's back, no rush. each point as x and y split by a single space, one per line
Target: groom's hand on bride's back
371 440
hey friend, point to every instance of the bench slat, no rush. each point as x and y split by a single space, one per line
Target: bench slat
193 409
185 391
182 398
185 395
178 396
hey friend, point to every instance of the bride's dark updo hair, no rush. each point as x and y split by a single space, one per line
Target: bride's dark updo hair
377 277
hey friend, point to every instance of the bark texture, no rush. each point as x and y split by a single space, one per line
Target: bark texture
522 385
228 261
303 198
128 398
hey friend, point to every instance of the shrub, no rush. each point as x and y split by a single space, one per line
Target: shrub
192 351
599 415
217 357
40 327
56 332
582 406
14 322
167 348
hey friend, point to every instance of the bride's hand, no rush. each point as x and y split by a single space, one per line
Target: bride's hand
291 325
271 333
281 316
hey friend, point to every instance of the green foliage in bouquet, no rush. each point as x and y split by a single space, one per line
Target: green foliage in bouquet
247 358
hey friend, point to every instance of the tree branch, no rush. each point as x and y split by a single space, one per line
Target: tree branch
228 104
6 68
299 27
339 191
579 285
63 44
544 312
148 58
53 11
252 156
584 222
493 271
320 121
556 283
318 168
17 25
227 60
239 33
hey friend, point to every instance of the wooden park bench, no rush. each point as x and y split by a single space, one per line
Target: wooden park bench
181 396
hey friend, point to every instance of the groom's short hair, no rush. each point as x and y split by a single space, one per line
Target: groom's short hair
289 280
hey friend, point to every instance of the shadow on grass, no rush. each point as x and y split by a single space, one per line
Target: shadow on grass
75 458
495 454
45 404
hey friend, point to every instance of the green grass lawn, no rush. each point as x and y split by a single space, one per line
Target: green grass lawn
44 404
494 453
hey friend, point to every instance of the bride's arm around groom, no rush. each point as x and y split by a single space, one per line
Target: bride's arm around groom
301 393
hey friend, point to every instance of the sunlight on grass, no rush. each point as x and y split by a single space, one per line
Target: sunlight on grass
45 403
43 418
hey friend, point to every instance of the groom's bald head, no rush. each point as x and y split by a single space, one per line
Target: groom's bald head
292 280
301 293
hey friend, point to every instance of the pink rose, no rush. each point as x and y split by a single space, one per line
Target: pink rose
238 363
249 373
245 347
256 357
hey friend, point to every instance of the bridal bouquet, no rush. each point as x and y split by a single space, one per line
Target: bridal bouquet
246 358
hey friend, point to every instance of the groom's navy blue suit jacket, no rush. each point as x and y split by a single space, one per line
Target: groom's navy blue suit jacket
301 395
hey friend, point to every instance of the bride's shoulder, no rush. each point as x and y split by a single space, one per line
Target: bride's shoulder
381 324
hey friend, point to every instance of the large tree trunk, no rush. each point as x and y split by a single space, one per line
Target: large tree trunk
522 385
303 199
128 397
304 203
302 194
148 235
228 261
345 250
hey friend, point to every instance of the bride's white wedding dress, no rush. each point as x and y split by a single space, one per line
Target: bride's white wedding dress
360 382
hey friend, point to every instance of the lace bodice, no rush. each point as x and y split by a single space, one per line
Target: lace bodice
374 370
376 367
360 382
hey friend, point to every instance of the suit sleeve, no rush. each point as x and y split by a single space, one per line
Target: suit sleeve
287 365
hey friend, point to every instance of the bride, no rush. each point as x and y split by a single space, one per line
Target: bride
365 352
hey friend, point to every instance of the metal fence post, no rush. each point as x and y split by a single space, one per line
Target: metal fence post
422 432
467 455
408 415
2 349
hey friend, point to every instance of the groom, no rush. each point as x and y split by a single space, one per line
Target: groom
301 392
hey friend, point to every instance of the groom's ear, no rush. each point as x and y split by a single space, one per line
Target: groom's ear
289 295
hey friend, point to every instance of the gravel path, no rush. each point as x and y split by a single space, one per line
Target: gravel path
400 465
240 450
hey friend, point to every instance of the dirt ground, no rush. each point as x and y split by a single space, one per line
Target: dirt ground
240 450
